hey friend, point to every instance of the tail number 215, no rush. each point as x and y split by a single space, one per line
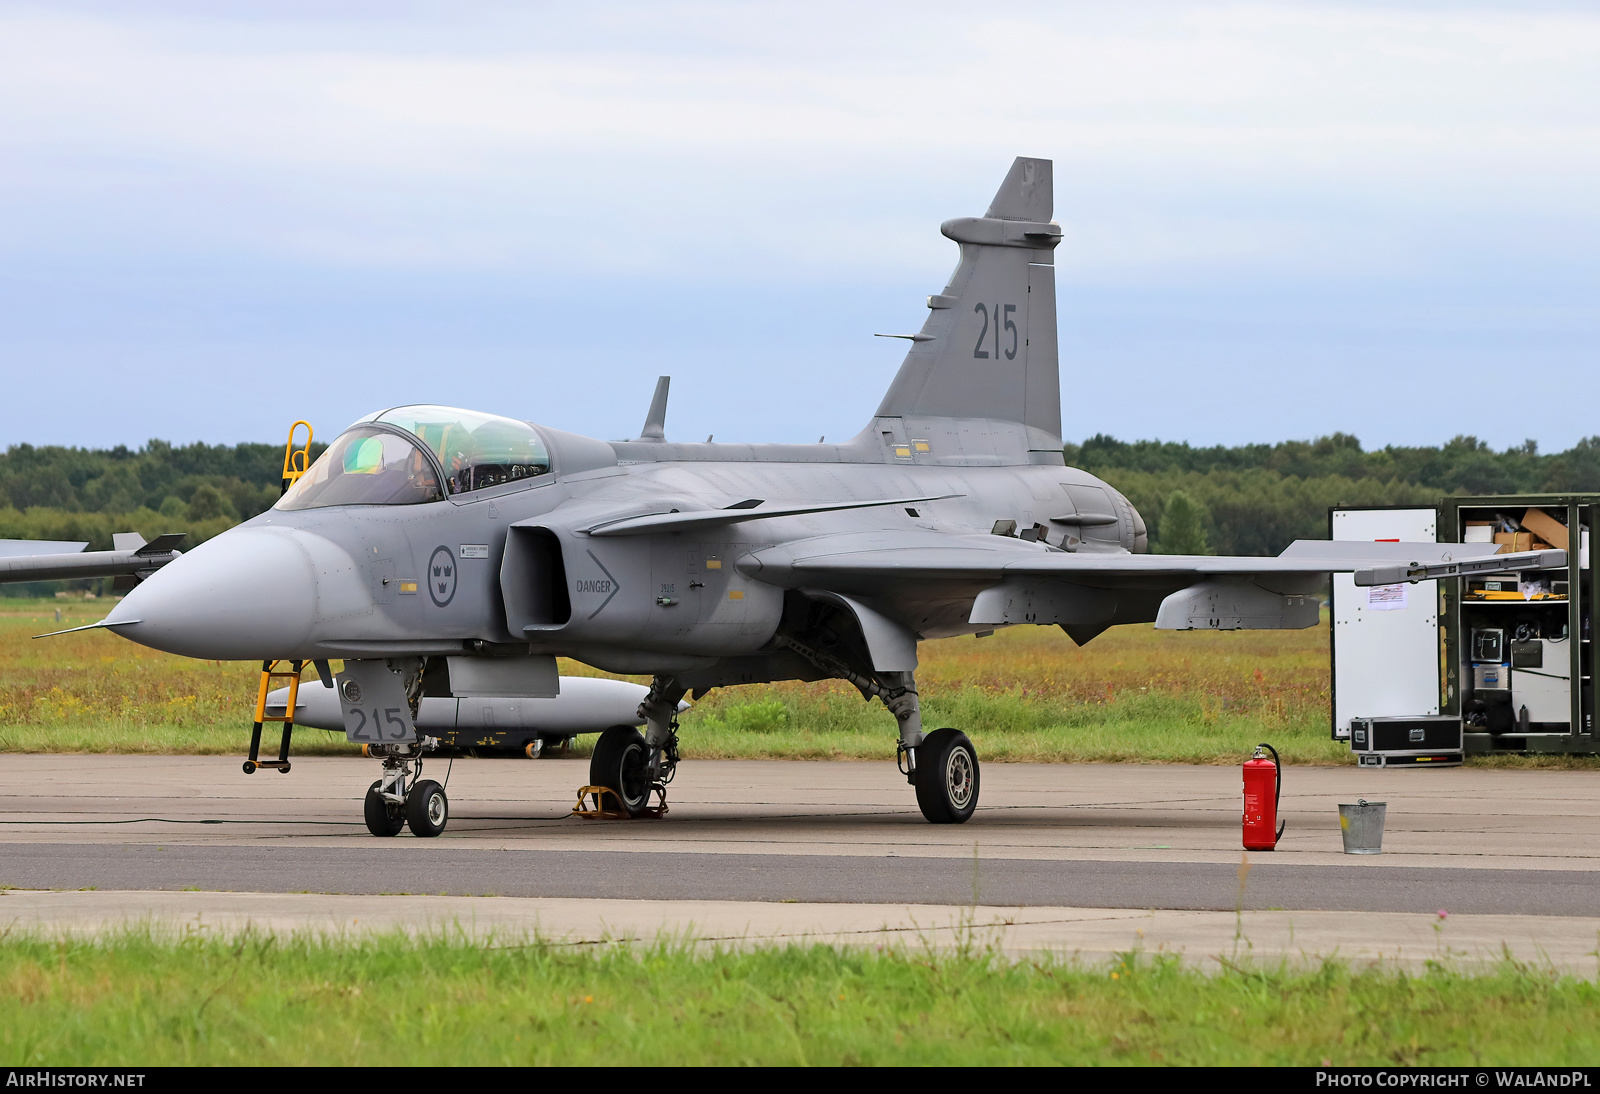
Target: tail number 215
994 322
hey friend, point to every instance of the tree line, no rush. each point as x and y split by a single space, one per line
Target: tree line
1256 499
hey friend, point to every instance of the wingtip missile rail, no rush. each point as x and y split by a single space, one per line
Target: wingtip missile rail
132 558
1414 572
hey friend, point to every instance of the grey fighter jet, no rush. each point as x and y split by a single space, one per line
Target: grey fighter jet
447 552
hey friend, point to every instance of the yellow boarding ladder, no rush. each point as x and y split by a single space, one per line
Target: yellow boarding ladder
269 674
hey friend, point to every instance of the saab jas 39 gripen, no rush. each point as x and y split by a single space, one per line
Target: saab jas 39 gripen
445 552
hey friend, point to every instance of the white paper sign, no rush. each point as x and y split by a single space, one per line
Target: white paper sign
1386 598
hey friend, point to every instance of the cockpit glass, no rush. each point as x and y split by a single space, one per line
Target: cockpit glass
476 450
366 466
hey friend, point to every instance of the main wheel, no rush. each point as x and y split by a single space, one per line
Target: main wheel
621 763
427 809
947 777
383 819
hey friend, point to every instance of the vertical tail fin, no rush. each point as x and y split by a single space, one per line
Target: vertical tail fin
988 348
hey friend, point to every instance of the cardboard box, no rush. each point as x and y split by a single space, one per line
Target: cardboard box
1516 542
1546 527
1478 531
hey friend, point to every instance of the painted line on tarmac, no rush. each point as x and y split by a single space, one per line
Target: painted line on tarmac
172 820
648 874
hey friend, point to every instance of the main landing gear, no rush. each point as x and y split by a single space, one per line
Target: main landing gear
942 765
402 798
631 764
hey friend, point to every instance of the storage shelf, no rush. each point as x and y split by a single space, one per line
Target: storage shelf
1552 603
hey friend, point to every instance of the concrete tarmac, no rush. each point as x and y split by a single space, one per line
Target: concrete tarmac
457 868
1485 843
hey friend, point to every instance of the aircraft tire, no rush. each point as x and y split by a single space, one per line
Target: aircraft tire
382 818
427 809
947 777
619 763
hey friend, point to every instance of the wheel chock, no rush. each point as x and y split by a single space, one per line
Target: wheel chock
600 809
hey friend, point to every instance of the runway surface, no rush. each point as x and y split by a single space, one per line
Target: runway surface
1105 836
666 875
1086 861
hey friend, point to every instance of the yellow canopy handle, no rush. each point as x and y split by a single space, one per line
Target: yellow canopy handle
296 460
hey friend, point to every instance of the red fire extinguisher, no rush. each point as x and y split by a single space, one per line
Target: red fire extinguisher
1263 788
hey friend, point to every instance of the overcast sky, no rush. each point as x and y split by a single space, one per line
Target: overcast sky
1279 220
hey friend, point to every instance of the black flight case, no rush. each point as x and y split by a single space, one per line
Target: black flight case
1433 739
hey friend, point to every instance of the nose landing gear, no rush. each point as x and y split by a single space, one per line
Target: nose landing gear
403 799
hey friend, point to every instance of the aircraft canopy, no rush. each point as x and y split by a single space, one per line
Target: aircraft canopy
373 465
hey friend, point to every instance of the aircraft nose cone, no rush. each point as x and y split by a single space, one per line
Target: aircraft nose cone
248 594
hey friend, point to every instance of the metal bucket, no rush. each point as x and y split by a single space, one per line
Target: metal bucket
1361 825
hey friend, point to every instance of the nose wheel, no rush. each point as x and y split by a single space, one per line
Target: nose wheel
402 800
383 817
427 809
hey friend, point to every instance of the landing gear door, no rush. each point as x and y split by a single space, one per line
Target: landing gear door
1385 643
372 699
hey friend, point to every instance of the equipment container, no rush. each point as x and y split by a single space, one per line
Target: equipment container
1434 740
1510 659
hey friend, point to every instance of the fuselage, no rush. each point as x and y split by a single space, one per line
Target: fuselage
515 563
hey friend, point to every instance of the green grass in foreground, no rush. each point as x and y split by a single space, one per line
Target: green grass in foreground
135 1000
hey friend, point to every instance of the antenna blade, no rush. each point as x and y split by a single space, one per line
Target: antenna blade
655 423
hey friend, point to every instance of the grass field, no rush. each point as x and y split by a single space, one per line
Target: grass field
135 1000
1133 694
